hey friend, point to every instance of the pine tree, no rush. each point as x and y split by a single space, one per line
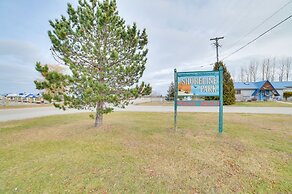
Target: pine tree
228 86
170 92
106 58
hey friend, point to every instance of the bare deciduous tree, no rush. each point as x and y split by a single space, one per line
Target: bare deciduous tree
273 69
263 70
58 68
247 75
282 70
267 69
256 68
242 74
253 70
288 67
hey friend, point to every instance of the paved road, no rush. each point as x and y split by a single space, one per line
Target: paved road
25 113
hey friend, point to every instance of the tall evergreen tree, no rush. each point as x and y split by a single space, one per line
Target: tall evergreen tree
170 92
228 86
106 58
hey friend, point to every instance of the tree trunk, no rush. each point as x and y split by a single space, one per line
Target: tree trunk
99 115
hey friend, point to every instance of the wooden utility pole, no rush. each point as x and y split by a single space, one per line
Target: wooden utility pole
217 45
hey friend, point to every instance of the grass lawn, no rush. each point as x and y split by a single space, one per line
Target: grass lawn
139 153
263 104
24 106
242 104
165 103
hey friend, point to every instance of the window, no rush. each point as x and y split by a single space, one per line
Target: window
237 91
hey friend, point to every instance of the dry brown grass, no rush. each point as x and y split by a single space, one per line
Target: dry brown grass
16 106
140 153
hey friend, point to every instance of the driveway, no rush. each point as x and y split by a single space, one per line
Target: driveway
26 113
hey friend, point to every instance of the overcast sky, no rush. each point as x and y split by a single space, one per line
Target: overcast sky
179 35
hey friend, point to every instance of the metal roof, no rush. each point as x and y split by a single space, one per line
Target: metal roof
282 85
257 85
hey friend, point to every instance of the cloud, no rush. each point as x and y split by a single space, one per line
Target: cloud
17 63
179 34
25 51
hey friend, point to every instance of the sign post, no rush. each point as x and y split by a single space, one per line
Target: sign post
198 84
221 99
175 98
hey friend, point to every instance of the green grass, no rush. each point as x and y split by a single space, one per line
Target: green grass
139 153
263 104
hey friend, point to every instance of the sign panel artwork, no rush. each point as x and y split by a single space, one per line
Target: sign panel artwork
198 83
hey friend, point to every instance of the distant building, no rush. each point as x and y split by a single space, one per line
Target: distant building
25 97
261 91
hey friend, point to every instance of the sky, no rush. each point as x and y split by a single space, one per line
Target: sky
179 33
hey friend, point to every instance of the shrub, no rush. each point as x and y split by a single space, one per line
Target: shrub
287 95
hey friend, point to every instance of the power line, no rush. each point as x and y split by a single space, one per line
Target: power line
239 17
259 25
252 30
257 37
225 21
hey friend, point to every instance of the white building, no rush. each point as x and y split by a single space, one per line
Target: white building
263 90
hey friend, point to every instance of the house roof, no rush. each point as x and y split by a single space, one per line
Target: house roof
248 85
24 95
262 84
282 85
12 95
257 85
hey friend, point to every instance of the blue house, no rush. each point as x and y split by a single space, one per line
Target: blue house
262 90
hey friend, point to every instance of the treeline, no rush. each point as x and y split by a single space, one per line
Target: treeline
272 69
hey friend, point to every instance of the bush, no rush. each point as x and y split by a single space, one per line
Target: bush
287 95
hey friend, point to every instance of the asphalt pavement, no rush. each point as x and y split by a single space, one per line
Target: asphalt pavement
26 113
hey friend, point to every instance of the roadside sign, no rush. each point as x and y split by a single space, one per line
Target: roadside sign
198 84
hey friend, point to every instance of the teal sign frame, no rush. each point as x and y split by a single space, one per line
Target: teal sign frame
200 84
